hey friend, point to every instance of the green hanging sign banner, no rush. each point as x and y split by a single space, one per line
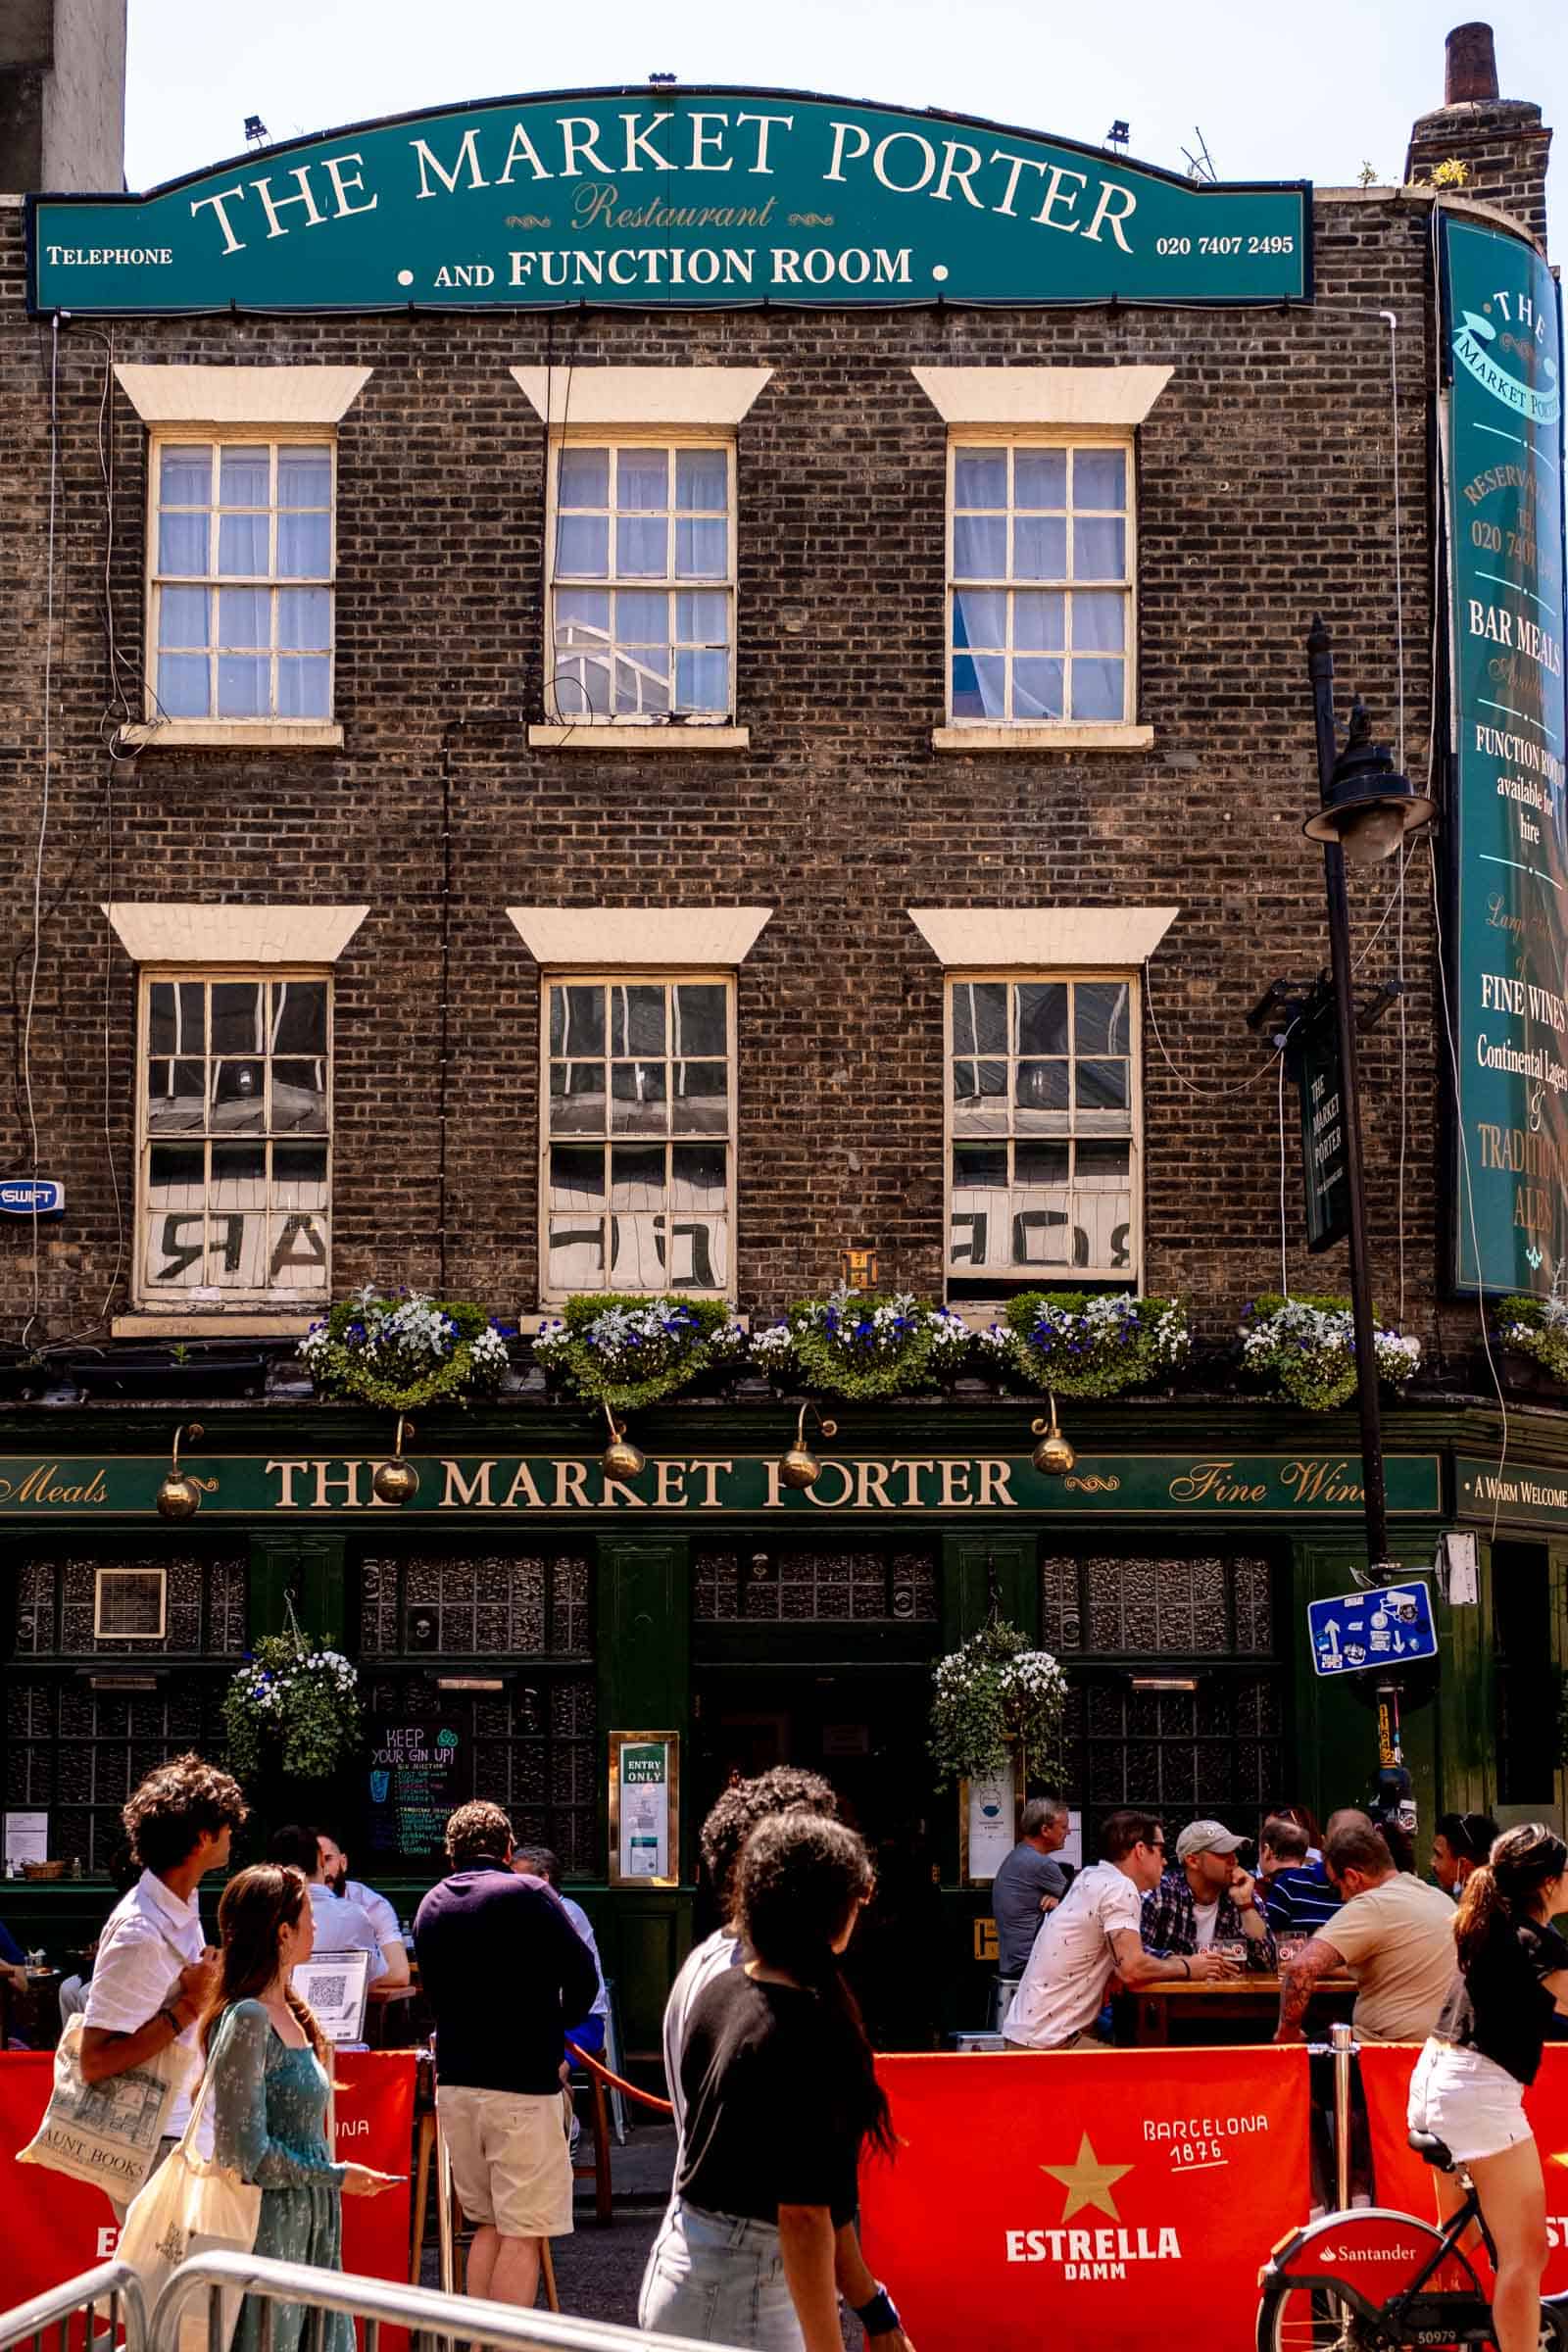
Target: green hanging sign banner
1502 335
669 200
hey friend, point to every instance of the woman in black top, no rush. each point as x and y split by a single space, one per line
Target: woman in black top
1469 2083
781 2097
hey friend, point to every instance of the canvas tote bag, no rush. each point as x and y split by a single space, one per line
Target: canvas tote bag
190 2206
107 2133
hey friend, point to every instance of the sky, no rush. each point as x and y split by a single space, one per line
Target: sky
1278 93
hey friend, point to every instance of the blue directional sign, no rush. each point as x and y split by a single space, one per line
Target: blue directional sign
31 1197
1359 1631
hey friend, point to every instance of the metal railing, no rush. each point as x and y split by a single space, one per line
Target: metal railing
113 2286
432 2320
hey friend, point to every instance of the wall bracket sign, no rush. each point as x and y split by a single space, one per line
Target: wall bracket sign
31 1197
671 200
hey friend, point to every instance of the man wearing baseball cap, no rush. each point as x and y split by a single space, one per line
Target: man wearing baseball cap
1205 1899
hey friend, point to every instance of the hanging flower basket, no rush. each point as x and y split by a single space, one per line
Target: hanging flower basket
1306 1349
1537 1329
406 1350
294 1706
994 1692
1078 1343
627 1353
862 1344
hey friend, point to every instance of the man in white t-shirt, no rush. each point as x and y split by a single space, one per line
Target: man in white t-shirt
154 1972
377 1910
340 1926
1093 1934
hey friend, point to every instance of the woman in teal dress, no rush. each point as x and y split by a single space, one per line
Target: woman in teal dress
269 2071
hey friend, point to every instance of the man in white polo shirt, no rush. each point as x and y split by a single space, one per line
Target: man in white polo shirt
377 1910
1093 1934
155 1971
340 1926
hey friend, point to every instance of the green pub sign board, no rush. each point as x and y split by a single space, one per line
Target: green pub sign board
1323 1143
1324 1485
669 200
1502 336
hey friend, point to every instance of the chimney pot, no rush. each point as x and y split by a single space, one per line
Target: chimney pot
1471 68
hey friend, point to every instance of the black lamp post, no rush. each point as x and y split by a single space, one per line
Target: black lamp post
1367 811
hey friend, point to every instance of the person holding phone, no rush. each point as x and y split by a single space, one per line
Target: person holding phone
270 2073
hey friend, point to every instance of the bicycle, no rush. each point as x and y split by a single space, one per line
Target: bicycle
1376 2280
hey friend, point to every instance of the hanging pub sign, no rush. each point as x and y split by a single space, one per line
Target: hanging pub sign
673 199
1320 1087
1503 354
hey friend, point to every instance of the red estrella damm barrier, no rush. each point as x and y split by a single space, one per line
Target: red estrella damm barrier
1404 2180
1086 2196
55 2227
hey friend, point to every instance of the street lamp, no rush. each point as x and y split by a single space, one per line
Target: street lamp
1367 809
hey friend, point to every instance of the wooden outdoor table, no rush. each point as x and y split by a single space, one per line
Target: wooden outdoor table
1248 2006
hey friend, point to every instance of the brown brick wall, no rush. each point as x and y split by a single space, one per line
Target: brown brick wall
1266 495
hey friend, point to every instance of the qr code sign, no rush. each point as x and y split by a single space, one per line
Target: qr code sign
330 1992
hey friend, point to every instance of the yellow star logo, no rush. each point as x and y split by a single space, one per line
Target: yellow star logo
1087 2181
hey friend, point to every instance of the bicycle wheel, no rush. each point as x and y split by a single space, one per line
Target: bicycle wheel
1310 2318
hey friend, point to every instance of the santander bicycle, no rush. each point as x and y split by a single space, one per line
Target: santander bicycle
1375 2281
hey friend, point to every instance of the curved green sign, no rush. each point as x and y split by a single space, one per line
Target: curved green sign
669 200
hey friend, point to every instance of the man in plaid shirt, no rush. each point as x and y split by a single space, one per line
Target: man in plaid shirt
1205 1899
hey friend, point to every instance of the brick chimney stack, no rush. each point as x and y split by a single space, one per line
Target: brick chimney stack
1502 140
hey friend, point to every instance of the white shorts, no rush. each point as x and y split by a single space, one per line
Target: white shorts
1468 2101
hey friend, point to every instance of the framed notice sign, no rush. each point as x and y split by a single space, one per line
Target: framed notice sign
644 1808
989 1808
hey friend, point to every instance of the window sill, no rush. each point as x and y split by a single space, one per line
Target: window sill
594 736
220 1324
983 737
240 734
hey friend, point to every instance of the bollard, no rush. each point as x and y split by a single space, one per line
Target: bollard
1342 2043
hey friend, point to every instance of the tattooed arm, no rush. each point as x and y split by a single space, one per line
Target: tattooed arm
1298 1980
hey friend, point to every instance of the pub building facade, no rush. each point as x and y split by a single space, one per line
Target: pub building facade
701 691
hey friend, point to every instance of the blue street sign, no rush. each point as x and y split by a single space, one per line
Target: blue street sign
31 1197
1359 1631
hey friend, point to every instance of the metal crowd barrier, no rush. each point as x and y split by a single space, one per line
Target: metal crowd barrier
113 2286
432 2320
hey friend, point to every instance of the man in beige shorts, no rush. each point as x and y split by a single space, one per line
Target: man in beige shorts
483 1933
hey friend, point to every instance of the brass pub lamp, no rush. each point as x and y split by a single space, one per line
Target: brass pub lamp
395 1480
798 1466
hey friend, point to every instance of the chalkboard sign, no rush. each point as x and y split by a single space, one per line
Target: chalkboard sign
419 1773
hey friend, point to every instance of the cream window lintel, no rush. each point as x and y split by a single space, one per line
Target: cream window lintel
181 931
623 735
648 397
1042 396
232 734
1043 938
639 938
1082 735
247 396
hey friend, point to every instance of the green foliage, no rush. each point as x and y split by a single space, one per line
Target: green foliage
294 1703
1306 1346
1087 1343
629 1351
993 1690
406 1350
864 1343
1536 1328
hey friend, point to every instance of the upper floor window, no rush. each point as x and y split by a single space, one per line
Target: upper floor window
1044 1131
642 582
638 1135
1040 595
234 1189
241 570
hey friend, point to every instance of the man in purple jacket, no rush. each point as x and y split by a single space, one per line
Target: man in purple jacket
504 1973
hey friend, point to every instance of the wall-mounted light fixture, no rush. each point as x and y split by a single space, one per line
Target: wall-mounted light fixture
798 1467
395 1480
1053 1457
620 1457
180 1495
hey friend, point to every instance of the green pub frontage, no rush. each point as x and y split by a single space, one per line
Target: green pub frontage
602 1655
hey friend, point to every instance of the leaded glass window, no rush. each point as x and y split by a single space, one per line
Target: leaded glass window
490 1605
747 1586
60 1605
235 1176
1040 572
1044 1128
77 1753
642 590
242 580
534 1747
1143 1605
638 1135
